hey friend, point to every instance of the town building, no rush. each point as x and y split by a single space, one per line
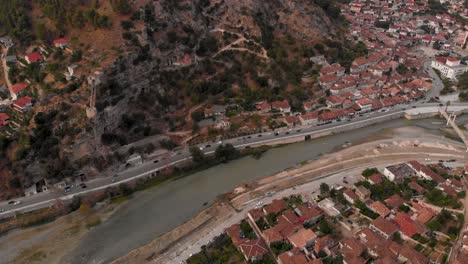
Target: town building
398 172
383 227
450 68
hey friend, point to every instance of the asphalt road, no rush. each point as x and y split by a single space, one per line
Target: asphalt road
437 84
150 167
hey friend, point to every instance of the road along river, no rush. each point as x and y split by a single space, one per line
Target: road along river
156 211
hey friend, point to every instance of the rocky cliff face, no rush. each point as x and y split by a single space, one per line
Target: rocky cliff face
175 61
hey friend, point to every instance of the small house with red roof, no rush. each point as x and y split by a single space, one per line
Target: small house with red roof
380 208
33 57
61 43
252 249
350 196
365 104
263 107
375 178
309 119
281 106
383 227
4 119
18 88
275 207
334 101
408 226
22 104
417 188
394 201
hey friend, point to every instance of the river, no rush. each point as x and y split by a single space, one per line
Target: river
158 210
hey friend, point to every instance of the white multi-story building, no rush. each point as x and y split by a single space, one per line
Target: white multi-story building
450 68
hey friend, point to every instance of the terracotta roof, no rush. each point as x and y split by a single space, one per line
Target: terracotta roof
293 256
334 68
376 178
364 101
34 57
274 207
334 99
302 237
22 102
328 78
4 117
385 226
456 183
280 104
448 189
334 114
373 241
423 213
253 248
348 192
379 208
291 119
280 231
256 213
407 225
324 242
413 256
394 201
308 211
351 246
234 232
418 188
61 41
17 88
310 116
262 106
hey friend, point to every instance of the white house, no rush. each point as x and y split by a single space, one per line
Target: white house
450 68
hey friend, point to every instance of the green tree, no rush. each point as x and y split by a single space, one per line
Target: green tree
226 152
197 155
324 189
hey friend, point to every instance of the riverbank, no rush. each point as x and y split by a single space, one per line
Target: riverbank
147 217
394 146
50 242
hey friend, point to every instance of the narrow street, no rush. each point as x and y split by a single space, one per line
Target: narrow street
437 84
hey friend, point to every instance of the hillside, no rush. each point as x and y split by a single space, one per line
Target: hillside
156 66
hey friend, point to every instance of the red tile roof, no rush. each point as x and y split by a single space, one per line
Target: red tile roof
274 207
255 248
418 188
293 256
22 102
379 208
376 178
17 88
353 196
34 57
352 247
302 237
385 226
413 256
280 104
448 189
394 201
256 213
328 79
407 225
310 116
61 41
308 212
364 101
